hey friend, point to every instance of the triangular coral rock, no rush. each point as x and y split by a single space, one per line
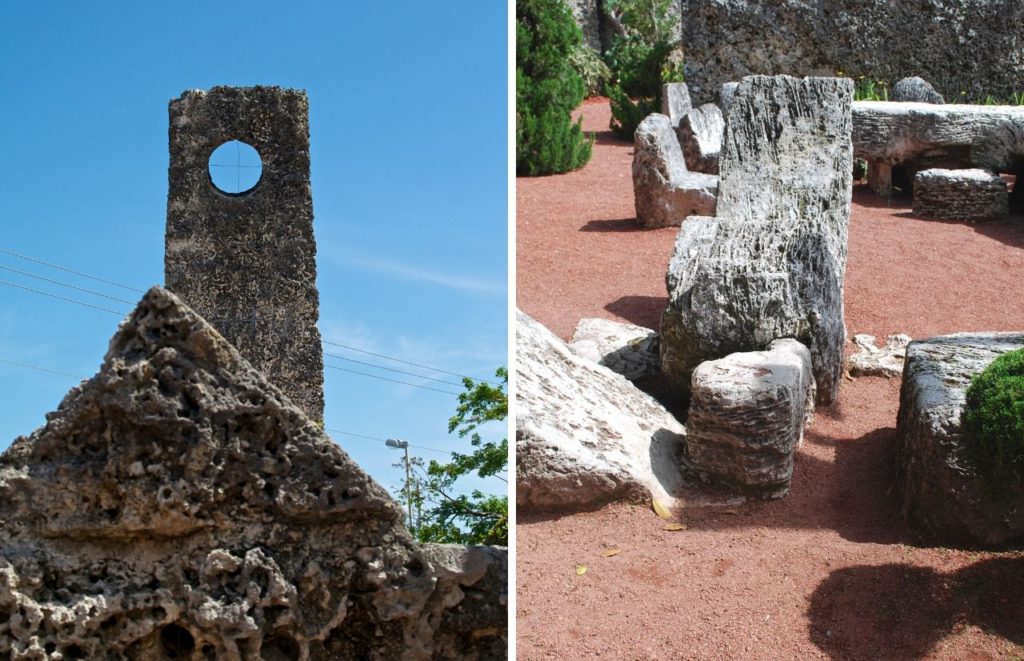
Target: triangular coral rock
178 505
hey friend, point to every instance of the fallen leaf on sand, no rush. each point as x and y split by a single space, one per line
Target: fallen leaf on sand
607 553
660 509
674 526
581 570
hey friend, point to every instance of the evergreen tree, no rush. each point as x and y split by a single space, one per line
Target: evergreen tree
547 90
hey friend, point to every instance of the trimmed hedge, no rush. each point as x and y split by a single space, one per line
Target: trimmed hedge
992 422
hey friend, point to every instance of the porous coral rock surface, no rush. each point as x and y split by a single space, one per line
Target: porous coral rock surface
178 505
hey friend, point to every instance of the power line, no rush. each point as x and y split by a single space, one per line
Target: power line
42 369
64 268
384 378
406 362
65 284
62 298
383 440
391 369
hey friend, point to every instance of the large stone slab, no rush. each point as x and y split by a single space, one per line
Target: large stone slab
585 435
625 349
969 45
700 134
940 490
747 417
919 136
772 263
665 193
971 195
179 505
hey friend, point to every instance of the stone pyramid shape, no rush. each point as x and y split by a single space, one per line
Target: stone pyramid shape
178 505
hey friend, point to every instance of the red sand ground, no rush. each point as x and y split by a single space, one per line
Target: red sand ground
829 571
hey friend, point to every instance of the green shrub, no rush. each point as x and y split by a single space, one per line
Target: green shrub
547 90
992 422
644 55
591 68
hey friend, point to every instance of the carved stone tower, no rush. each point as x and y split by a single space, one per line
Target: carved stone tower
246 260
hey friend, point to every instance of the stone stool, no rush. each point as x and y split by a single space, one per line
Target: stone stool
960 195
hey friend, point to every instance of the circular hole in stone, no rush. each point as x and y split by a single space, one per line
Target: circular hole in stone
235 167
177 641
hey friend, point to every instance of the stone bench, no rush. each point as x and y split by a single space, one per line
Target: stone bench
919 136
973 194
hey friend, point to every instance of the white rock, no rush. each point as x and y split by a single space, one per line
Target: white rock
585 435
873 361
700 135
625 349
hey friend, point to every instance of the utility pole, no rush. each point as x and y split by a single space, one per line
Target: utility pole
404 445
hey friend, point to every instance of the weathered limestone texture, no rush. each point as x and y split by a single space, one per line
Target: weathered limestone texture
725 96
247 262
972 45
585 435
917 89
941 491
919 136
960 194
588 16
625 349
675 102
747 417
871 360
771 264
179 505
700 135
664 191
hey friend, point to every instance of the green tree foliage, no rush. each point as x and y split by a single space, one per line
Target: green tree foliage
992 423
477 518
645 54
547 90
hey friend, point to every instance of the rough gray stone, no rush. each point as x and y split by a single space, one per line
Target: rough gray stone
700 135
247 262
941 491
917 89
675 102
585 435
179 505
625 349
747 417
960 195
969 45
588 16
725 96
771 265
664 191
919 136
873 361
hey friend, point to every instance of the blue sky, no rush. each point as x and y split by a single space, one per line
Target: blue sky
408 123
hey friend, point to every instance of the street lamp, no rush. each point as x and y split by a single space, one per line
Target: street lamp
399 444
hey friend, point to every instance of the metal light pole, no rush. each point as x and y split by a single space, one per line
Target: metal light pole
404 445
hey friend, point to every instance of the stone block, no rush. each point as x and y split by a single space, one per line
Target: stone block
747 416
941 492
700 135
625 349
247 261
665 193
970 195
675 102
725 95
884 361
916 89
585 435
